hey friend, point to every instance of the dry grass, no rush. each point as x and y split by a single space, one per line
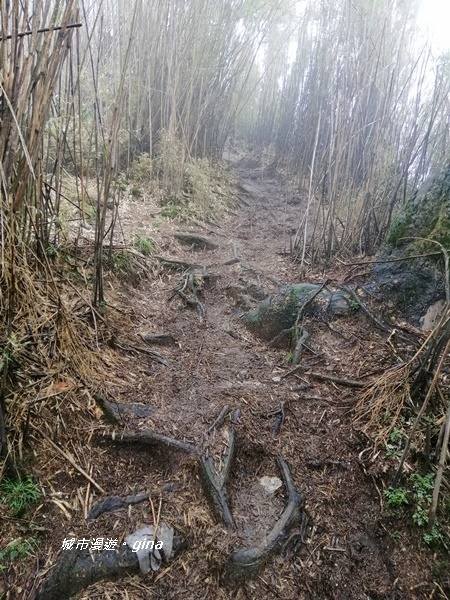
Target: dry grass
382 404
46 353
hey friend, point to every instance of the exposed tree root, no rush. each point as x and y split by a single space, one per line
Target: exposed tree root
189 289
195 303
383 326
196 242
114 503
215 483
340 380
145 436
246 562
77 569
177 265
160 339
221 418
280 416
302 336
235 259
114 411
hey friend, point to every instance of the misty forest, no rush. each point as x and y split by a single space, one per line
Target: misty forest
224 300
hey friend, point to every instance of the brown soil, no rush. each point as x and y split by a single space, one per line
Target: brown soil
354 548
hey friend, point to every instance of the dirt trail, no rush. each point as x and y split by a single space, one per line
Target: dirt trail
350 552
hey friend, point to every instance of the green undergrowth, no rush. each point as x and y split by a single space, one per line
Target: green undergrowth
118 262
144 244
15 551
187 188
18 495
412 501
207 189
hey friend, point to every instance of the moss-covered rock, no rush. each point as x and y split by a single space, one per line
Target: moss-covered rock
425 215
416 283
279 311
401 225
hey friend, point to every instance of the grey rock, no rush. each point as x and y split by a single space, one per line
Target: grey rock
279 311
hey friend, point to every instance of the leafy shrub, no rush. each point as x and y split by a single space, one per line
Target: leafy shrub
396 498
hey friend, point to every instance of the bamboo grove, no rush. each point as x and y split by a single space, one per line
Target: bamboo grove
346 98
342 96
